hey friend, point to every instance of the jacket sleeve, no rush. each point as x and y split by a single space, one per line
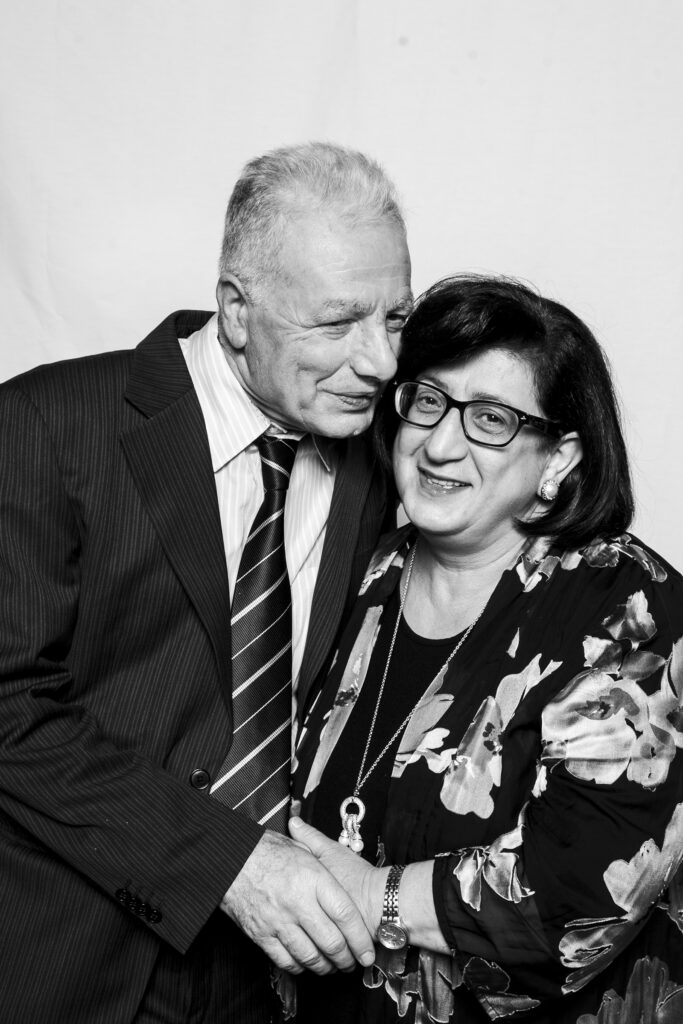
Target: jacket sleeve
542 910
112 813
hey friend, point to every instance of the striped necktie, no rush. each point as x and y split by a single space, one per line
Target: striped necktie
255 776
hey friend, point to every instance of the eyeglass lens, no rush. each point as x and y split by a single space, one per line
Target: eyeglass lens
424 406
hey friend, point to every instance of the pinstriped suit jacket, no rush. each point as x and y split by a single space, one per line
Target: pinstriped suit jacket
115 673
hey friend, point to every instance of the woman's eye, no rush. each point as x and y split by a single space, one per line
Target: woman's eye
427 402
491 419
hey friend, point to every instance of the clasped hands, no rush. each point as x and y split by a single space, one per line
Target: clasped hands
310 904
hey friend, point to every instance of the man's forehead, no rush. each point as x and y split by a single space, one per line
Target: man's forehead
325 229
342 271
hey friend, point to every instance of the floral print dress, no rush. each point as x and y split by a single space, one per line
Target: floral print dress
543 772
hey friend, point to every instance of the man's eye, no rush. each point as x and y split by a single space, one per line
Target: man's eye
336 325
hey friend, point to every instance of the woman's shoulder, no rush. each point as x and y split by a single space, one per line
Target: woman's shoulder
612 558
626 551
620 578
611 575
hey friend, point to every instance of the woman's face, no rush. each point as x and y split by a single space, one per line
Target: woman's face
461 492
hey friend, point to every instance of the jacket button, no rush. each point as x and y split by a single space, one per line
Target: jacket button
200 779
123 896
154 916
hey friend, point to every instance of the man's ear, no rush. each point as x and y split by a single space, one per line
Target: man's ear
566 454
233 311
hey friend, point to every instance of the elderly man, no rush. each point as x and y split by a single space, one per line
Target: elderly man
182 526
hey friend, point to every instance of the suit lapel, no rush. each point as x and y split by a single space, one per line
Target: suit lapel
169 458
348 499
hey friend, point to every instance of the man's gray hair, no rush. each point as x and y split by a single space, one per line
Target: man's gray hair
275 188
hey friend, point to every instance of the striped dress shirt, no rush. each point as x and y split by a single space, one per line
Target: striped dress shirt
233 423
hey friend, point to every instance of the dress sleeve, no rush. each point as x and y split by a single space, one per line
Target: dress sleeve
545 908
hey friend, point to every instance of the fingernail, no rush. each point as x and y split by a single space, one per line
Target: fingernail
295 822
367 959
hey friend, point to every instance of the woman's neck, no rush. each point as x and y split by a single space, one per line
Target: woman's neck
448 589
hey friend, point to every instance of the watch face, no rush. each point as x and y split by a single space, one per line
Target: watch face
392 936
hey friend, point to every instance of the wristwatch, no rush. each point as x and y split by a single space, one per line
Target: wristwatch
392 933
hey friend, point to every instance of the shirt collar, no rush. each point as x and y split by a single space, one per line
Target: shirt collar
232 420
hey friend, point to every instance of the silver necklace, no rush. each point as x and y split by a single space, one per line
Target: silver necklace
350 834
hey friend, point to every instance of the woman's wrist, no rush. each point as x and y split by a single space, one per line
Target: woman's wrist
374 897
417 910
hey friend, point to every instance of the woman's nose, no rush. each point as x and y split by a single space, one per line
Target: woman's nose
447 439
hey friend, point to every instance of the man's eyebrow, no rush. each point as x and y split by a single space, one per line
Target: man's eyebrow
404 305
352 309
344 307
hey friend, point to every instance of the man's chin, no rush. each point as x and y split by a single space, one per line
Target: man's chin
341 425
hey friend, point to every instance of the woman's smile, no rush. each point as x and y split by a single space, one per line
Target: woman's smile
437 484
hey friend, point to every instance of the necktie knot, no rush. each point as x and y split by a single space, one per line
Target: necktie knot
277 460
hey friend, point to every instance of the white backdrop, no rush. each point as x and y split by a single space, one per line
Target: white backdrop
539 138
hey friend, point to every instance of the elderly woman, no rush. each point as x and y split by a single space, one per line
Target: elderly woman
494 766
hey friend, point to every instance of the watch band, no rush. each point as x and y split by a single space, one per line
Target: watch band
392 933
390 905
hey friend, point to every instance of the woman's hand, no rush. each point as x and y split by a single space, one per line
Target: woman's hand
364 884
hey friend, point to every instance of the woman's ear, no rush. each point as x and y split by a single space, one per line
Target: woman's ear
566 454
233 311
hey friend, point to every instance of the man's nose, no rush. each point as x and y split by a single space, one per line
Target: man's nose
447 439
375 353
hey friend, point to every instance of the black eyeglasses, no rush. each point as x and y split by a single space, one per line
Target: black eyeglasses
489 423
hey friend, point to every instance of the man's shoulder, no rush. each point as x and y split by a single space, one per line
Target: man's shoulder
104 372
66 375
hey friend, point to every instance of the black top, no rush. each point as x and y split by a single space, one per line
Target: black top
414 663
341 998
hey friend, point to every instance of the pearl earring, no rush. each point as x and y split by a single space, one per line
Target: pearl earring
549 490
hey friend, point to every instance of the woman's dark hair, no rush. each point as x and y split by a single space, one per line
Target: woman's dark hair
462 316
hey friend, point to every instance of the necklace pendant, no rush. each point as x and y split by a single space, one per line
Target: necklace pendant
350 834
355 842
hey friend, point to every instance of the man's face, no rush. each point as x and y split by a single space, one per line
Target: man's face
323 335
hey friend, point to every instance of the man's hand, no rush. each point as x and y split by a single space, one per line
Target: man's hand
361 881
289 904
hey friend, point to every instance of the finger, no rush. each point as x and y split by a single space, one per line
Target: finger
295 952
340 908
310 837
329 941
280 956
